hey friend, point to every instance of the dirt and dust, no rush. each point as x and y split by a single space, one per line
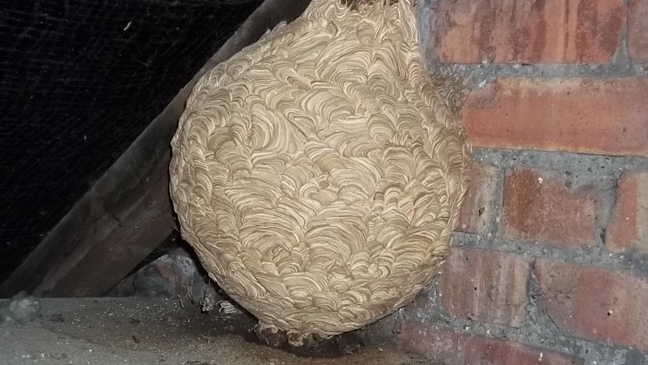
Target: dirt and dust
108 331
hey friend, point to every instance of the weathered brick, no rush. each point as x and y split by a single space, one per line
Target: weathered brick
628 225
573 114
540 31
453 348
638 31
477 209
485 286
595 304
539 207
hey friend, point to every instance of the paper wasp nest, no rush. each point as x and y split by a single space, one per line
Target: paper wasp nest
319 173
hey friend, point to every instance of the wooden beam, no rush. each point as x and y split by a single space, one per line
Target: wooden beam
127 213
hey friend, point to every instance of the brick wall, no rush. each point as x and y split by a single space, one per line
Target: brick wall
550 262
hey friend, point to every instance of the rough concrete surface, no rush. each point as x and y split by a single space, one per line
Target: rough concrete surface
152 331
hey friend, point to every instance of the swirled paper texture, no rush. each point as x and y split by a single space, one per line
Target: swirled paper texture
319 173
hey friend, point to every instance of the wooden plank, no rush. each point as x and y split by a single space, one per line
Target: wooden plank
127 213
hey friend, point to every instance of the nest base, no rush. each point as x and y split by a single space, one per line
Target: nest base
313 346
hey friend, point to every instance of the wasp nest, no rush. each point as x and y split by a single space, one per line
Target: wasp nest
319 173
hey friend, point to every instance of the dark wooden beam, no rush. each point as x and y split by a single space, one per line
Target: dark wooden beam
127 213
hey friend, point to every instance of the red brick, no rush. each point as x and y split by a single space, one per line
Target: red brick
453 348
573 114
477 209
547 31
594 303
638 30
628 226
538 207
485 286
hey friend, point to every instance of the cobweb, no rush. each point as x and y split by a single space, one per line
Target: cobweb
79 81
